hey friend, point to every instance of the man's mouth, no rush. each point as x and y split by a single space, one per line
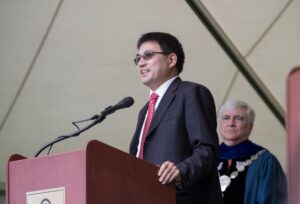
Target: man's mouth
144 72
230 130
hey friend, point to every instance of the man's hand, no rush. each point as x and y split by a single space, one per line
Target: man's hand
168 172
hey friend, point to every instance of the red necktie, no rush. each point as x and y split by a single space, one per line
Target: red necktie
151 107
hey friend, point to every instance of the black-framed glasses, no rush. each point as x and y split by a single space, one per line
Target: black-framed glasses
147 55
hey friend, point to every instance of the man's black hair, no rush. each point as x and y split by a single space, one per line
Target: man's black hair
168 43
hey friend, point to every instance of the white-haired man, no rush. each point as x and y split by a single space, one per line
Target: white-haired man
249 174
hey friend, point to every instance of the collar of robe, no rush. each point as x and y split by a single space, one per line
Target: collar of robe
244 149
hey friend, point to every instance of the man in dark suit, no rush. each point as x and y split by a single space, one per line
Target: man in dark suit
181 137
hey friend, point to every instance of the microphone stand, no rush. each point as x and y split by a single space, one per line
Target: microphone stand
125 103
99 119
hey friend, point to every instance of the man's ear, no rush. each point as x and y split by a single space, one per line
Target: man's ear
172 60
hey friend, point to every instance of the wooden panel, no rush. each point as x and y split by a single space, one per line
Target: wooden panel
124 178
293 135
61 170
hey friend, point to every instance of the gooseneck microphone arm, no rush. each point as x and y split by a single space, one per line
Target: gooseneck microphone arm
125 103
74 134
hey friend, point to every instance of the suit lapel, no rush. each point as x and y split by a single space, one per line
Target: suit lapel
135 141
142 117
164 104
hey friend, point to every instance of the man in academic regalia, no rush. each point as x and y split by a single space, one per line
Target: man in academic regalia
248 173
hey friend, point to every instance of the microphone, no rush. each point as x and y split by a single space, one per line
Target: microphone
124 103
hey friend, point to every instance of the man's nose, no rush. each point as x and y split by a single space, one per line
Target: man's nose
142 62
232 122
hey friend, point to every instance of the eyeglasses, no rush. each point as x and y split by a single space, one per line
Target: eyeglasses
147 55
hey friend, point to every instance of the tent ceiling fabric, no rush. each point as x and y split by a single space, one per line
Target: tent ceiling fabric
85 64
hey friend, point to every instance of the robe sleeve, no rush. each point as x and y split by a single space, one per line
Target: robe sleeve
265 181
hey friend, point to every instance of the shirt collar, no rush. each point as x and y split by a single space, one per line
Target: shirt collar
162 90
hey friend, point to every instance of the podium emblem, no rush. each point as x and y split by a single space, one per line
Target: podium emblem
45 201
46 196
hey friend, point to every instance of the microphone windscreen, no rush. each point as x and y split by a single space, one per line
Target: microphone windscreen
128 101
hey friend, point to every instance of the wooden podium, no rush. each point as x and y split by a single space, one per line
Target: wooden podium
99 174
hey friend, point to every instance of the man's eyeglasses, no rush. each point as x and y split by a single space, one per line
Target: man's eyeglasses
147 55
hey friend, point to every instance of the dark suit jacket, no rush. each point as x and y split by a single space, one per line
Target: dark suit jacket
183 131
